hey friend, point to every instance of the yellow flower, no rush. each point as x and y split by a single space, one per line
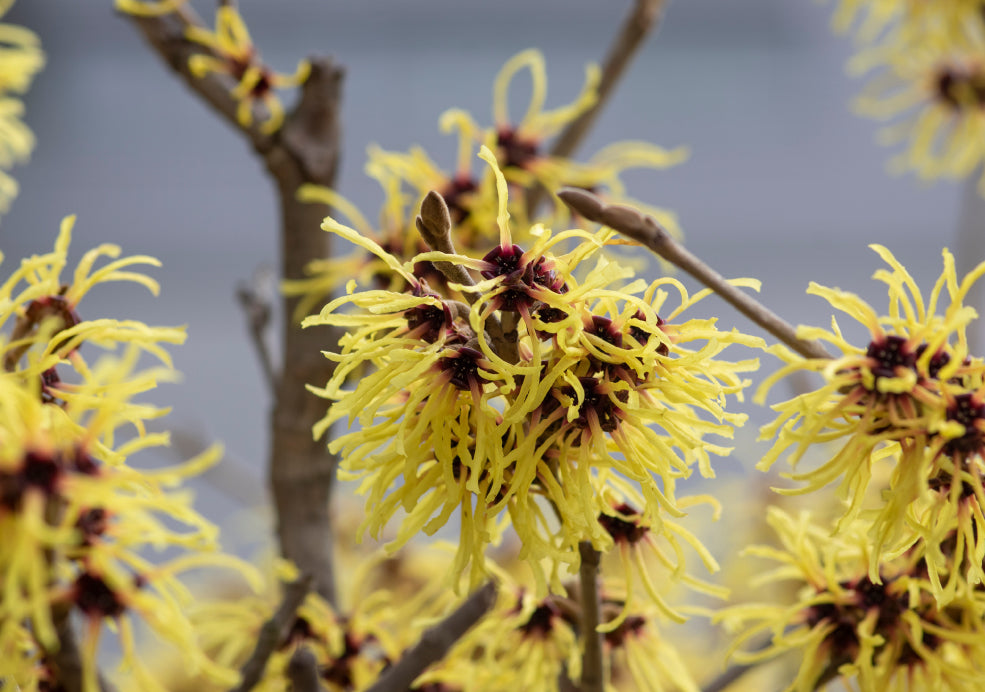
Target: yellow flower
889 635
894 399
231 52
78 517
20 59
540 395
520 148
930 79
149 8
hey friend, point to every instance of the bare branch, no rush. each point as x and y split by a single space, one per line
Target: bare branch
639 23
645 231
273 633
592 668
729 676
256 303
234 478
66 662
969 250
301 469
436 641
302 671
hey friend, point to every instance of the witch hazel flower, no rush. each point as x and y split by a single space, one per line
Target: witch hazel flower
555 379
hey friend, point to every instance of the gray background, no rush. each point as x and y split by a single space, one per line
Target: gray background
784 183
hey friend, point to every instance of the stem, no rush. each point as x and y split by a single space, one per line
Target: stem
592 668
645 231
258 309
638 24
969 251
436 641
728 677
67 661
302 671
273 633
434 225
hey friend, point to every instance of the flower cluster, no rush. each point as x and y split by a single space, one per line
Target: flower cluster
559 397
75 515
929 59
20 59
912 398
523 155
877 635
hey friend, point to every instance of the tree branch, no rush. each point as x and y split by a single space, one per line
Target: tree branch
67 661
273 632
305 150
729 676
302 671
592 669
645 231
969 250
257 307
638 24
436 641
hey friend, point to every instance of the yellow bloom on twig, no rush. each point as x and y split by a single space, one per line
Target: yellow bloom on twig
908 398
232 53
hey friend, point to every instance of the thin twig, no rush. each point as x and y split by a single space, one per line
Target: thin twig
302 671
436 641
235 478
969 249
639 23
644 17
66 662
645 231
255 302
592 668
273 632
729 676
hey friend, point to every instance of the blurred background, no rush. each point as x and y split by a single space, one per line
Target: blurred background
784 184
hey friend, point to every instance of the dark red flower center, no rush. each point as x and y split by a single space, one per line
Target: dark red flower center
95 598
462 367
888 354
969 411
515 151
626 528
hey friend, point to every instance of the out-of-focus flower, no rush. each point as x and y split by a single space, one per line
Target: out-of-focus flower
886 635
521 150
907 397
149 8
928 60
231 52
76 516
20 59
